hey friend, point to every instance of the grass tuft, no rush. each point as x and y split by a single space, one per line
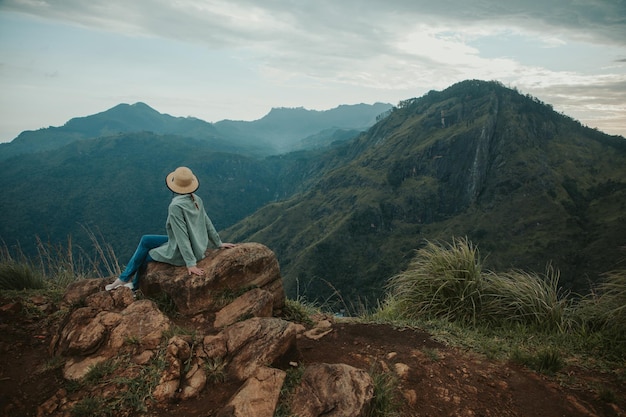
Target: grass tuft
19 276
547 361
99 371
292 380
448 283
440 282
604 311
386 401
520 297
55 266
299 311
215 369
91 407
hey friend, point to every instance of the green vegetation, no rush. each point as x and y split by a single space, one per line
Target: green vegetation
92 407
299 311
15 276
603 312
138 384
133 386
55 266
166 304
215 369
441 283
448 282
547 361
387 400
514 315
292 380
100 371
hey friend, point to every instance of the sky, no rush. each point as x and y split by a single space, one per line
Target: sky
238 59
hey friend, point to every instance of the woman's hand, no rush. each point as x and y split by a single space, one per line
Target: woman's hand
194 270
227 245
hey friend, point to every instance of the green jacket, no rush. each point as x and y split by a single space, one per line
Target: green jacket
189 233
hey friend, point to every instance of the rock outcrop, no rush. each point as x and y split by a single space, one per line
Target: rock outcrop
239 336
336 390
228 273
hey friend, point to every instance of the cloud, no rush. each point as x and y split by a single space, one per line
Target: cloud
320 39
250 21
402 48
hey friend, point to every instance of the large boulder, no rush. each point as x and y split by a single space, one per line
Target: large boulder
258 396
248 345
254 303
177 353
333 390
228 273
104 326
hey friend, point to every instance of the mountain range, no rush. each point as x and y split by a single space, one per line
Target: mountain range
104 172
281 130
347 200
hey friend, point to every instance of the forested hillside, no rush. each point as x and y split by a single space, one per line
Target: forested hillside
115 187
103 173
529 186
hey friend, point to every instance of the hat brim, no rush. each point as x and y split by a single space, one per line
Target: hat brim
193 186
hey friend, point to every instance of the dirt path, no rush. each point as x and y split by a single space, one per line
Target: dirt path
441 381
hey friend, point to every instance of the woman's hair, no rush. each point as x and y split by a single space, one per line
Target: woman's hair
193 198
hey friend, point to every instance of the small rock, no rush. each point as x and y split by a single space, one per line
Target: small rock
11 308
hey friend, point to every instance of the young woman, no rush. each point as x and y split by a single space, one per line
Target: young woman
190 233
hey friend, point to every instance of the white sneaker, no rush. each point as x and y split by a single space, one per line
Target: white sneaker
117 283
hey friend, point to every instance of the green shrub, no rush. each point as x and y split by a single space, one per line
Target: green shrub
298 311
440 282
604 311
448 283
19 276
520 297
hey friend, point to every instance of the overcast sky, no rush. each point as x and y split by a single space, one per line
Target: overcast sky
236 59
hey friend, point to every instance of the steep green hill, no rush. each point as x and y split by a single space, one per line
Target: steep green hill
529 186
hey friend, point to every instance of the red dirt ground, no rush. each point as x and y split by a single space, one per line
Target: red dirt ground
438 380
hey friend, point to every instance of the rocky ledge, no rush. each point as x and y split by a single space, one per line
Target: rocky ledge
236 306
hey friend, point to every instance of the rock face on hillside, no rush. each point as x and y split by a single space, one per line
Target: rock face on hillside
238 338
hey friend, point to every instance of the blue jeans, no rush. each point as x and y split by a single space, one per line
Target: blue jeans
141 257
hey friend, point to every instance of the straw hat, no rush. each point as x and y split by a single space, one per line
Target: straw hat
182 181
